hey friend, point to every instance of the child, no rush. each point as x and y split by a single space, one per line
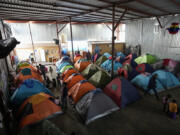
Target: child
166 100
173 109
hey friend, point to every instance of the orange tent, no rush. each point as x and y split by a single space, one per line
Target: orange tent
68 73
25 74
29 66
80 89
76 58
41 107
81 65
73 79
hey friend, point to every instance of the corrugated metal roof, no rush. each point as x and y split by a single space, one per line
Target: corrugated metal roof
85 10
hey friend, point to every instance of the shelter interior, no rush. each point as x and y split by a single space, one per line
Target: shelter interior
83 67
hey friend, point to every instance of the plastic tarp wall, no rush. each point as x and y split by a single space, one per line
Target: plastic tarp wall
152 38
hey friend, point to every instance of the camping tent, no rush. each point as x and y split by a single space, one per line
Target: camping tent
63 60
36 108
157 65
80 89
127 72
29 66
68 73
170 64
65 68
142 81
80 66
100 79
76 58
167 79
120 54
89 71
101 60
59 67
107 65
25 74
147 58
73 79
130 60
141 68
28 88
122 92
95 104
107 54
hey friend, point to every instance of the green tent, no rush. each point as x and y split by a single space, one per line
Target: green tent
148 58
65 68
101 60
100 79
89 71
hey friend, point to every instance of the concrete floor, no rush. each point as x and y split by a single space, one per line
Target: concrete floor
144 117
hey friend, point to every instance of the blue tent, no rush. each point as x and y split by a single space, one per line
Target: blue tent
107 65
122 92
142 81
62 60
28 88
167 79
120 54
107 55
59 67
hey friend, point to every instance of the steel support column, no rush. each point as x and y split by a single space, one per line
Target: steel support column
32 41
113 38
71 39
59 45
159 22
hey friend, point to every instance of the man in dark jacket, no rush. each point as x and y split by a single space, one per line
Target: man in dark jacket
152 85
43 70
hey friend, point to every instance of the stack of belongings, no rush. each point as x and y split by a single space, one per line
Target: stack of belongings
32 101
164 81
91 103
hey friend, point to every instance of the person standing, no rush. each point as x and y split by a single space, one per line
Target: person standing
43 70
166 101
51 70
152 85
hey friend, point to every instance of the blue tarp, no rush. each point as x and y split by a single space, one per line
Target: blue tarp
120 54
107 55
107 65
28 88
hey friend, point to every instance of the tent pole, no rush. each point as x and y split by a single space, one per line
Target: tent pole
59 46
71 39
32 42
113 38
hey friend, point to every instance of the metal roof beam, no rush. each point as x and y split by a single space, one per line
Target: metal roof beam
151 6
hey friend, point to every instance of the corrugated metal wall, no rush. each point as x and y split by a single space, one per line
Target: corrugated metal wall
153 39
47 32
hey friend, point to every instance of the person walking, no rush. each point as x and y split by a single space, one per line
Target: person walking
43 70
166 101
152 85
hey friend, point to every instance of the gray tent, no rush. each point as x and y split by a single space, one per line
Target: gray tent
89 71
157 65
100 79
101 60
94 105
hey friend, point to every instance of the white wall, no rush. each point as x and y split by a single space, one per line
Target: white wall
153 39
